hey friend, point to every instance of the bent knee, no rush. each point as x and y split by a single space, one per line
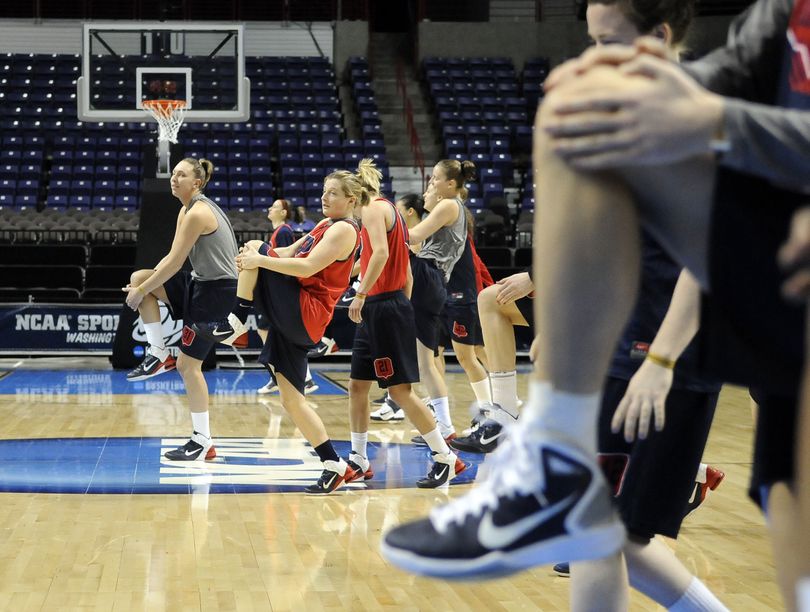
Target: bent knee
139 276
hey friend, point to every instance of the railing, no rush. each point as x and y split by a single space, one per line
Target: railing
407 110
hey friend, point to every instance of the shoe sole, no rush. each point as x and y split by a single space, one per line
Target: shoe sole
162 370
469 448
593 544
381 419
367 475
310 390
210 454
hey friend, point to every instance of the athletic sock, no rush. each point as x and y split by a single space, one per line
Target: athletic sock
199 420
482 392
574 415
326 452
435 441
504 391
360 443
697 598
154 336
701 473
441 407
243 309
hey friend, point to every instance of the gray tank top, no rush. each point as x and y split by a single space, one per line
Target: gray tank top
213 256
447 244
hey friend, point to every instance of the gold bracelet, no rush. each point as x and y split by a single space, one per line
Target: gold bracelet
362 296
658 360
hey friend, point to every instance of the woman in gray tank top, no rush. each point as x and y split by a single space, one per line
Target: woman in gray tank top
204 295
443 235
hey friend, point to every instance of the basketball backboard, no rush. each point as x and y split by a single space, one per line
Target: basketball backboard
124 64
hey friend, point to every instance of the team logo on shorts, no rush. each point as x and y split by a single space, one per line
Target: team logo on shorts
188 335
383 368
459 331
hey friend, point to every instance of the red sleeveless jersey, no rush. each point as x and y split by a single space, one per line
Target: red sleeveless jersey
321 291
395 272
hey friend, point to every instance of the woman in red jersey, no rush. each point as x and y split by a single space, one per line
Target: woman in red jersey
385 340
313 273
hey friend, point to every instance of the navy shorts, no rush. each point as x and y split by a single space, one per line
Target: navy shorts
654 478
196 301
526 307
460 323
385 342
428 297
277 298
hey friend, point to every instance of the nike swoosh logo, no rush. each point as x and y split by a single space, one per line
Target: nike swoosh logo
326 485
347 299
491 536
441 474
221 334
189 453
485 440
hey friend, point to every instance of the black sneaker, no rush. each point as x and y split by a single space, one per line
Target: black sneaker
544 500
224 332
331 478
484 439
446 466
197 448
562 569
151 366
381 399
347 298
324 347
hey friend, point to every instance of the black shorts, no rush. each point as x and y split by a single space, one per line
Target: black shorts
385 342
277 298
655 477
196 301
460 324
774 443
526 307
428 297
752 336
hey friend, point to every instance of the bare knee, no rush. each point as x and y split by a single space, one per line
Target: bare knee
188 365
359 388
488 300
400 393
254 244
139 276
465 353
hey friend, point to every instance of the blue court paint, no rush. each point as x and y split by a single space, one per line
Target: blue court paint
243 465
112 382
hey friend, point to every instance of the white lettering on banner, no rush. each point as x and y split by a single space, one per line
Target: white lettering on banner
96 322
89 338
41 322
172 330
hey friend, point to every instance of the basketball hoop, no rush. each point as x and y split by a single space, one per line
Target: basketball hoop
169 115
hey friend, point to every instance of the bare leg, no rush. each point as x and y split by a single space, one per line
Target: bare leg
431 378
196 388
305 418
497 323
358 405
416 411
465 353
149 309
481 354
599 585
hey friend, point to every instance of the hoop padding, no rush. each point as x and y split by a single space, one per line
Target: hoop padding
169 115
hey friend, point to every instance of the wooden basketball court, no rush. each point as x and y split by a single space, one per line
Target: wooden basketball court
203 550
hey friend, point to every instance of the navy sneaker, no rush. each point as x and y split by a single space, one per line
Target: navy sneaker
446 466
198 448
324 347
484 438
544 500
230 331
331 478
151 366
562 569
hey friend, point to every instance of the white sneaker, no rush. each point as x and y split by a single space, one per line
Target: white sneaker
389 411
270 387
310 386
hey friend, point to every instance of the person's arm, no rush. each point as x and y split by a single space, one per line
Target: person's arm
445 213
648 389
374 218
337 242
289 251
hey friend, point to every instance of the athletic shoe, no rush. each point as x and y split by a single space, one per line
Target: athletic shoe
545 500
381 399
482 415
197 448
331 478
562 569
310 386
360 468
713 479
347 298
270 387
389 411
420 441
224 332
151 366
446 466
484 439
325 346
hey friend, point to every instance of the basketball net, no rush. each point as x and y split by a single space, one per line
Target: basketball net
169 115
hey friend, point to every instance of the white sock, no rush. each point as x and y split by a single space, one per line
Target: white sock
482 392
436 442
504 391
359 443
199 420
441 406
573 415
698 598
309 374
701 473
803 595
154 336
